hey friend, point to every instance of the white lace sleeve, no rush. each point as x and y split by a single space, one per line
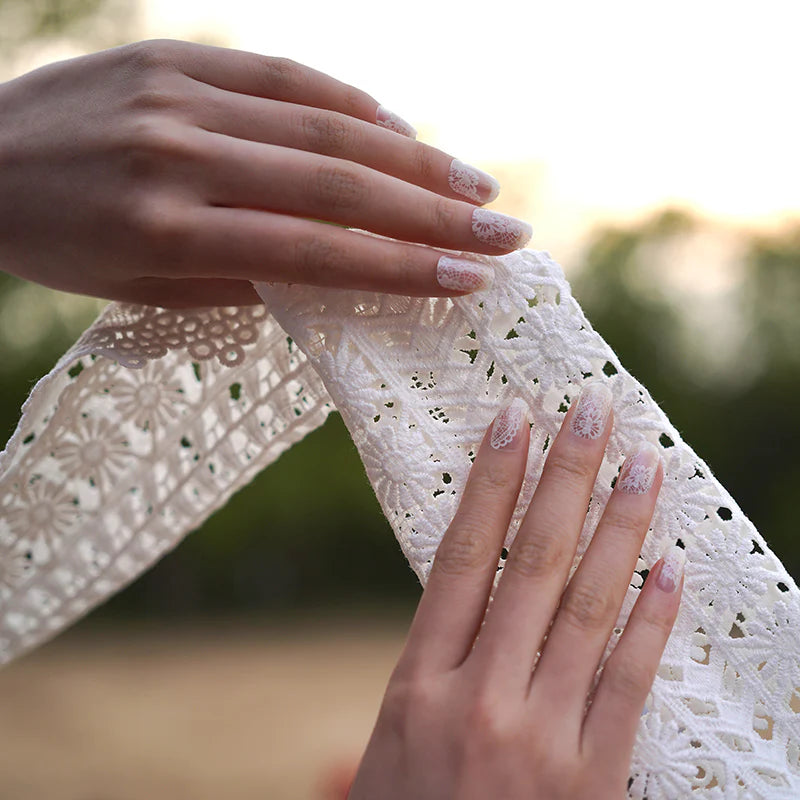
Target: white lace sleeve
110 467
114 462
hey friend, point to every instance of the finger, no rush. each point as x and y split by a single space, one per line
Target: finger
613 718
284 79
453 604
254 175
542 553
334 134
260 246
592 600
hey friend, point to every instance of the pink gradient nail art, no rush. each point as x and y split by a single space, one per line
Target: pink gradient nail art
508 423
639 469
500 230
463 275
472 182
671 572
591 413
388 119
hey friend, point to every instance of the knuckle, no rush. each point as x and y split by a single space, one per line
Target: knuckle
151 145
586 605
327 133
338 188
162 228
533 557
443 214
314 257
353 100
631 525
661 624
422 160
281 75
571 467
466 551
150 53
629 681
405 701
490 721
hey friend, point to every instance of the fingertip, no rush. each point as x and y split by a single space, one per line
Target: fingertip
510 426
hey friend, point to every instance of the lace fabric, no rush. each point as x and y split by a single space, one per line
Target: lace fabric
111 466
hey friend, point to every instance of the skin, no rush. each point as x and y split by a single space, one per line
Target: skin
173 174
463 717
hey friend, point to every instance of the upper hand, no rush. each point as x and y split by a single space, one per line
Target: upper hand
174 174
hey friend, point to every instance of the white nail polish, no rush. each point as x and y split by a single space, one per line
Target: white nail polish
591 413
500 230
472 183
390 120
639 469
463 275
669 577
508 423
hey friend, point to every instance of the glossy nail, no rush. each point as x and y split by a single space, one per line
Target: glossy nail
500 230
508 423
463 275
472 182
388 119
591 413
639 469
671 572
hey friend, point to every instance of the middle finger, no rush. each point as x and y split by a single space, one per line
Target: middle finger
244 174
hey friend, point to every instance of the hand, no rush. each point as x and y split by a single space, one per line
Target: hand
174 174
464 717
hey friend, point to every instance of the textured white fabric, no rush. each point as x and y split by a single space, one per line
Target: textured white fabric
111 467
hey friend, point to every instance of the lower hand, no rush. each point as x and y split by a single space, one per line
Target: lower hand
465 714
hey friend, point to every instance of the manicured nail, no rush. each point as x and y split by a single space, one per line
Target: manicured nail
507 424
639 469
463 275
669 576
472 183
591 413
388 119
500 230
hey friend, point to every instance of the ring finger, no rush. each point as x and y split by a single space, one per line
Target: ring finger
244 174
592 600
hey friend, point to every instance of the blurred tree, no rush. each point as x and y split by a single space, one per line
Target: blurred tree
30 27
744 426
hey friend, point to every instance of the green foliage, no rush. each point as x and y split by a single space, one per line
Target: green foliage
744 424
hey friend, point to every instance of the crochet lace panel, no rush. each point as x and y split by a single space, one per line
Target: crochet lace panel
110 467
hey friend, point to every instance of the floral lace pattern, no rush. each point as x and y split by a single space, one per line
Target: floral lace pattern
111 466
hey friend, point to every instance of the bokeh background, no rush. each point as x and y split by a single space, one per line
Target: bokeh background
653 147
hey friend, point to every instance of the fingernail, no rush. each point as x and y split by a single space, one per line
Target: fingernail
500 230
639 469
669 576
472 183
388 119
463 275
507 424
591 413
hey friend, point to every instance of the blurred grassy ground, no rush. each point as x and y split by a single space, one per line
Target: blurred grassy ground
211 710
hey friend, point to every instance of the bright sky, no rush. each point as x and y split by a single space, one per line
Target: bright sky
615 107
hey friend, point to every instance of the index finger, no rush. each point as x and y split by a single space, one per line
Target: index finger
454 602
284 79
